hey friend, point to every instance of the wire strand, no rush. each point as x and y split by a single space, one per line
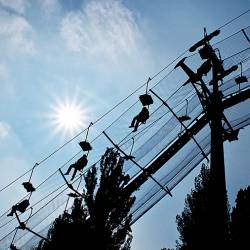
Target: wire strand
109 111
232 20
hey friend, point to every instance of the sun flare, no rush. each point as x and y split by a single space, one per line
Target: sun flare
69 117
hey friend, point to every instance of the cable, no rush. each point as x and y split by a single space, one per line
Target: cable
137 102
120 115
121 143
42 199
50 176
38 224
109 111
54 174
48 201
238 53
105 114
143 204
14 236
221 41
232 20
228 37
124 138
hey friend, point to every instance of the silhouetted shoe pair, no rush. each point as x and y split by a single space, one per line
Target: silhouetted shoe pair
21 207
10 214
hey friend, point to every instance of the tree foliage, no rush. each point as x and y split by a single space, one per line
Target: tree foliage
195 222
195 214
101 219
240 220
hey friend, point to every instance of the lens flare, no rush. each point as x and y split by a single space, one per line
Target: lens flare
69 117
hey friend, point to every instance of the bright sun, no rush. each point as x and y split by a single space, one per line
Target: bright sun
69 117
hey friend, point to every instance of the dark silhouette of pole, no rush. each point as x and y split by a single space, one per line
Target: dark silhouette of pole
181 141
218 180
218 209
218 195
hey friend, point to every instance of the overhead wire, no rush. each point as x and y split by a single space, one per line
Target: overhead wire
50 199
114 107
195 165
45 180
38 224
234 19
230 86
181 170
50 176
79 177
77 135
222 40
54 152
33 205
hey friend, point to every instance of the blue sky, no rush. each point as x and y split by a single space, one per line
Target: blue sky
94 53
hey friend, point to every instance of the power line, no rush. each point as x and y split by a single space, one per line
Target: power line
54 152
110 110
232 20
224 39
80 151
67 142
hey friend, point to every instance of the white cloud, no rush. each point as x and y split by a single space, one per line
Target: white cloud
105 28
18 6
16 33
4 129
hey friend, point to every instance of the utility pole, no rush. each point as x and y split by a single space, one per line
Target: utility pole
218 194
218 208
211 100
